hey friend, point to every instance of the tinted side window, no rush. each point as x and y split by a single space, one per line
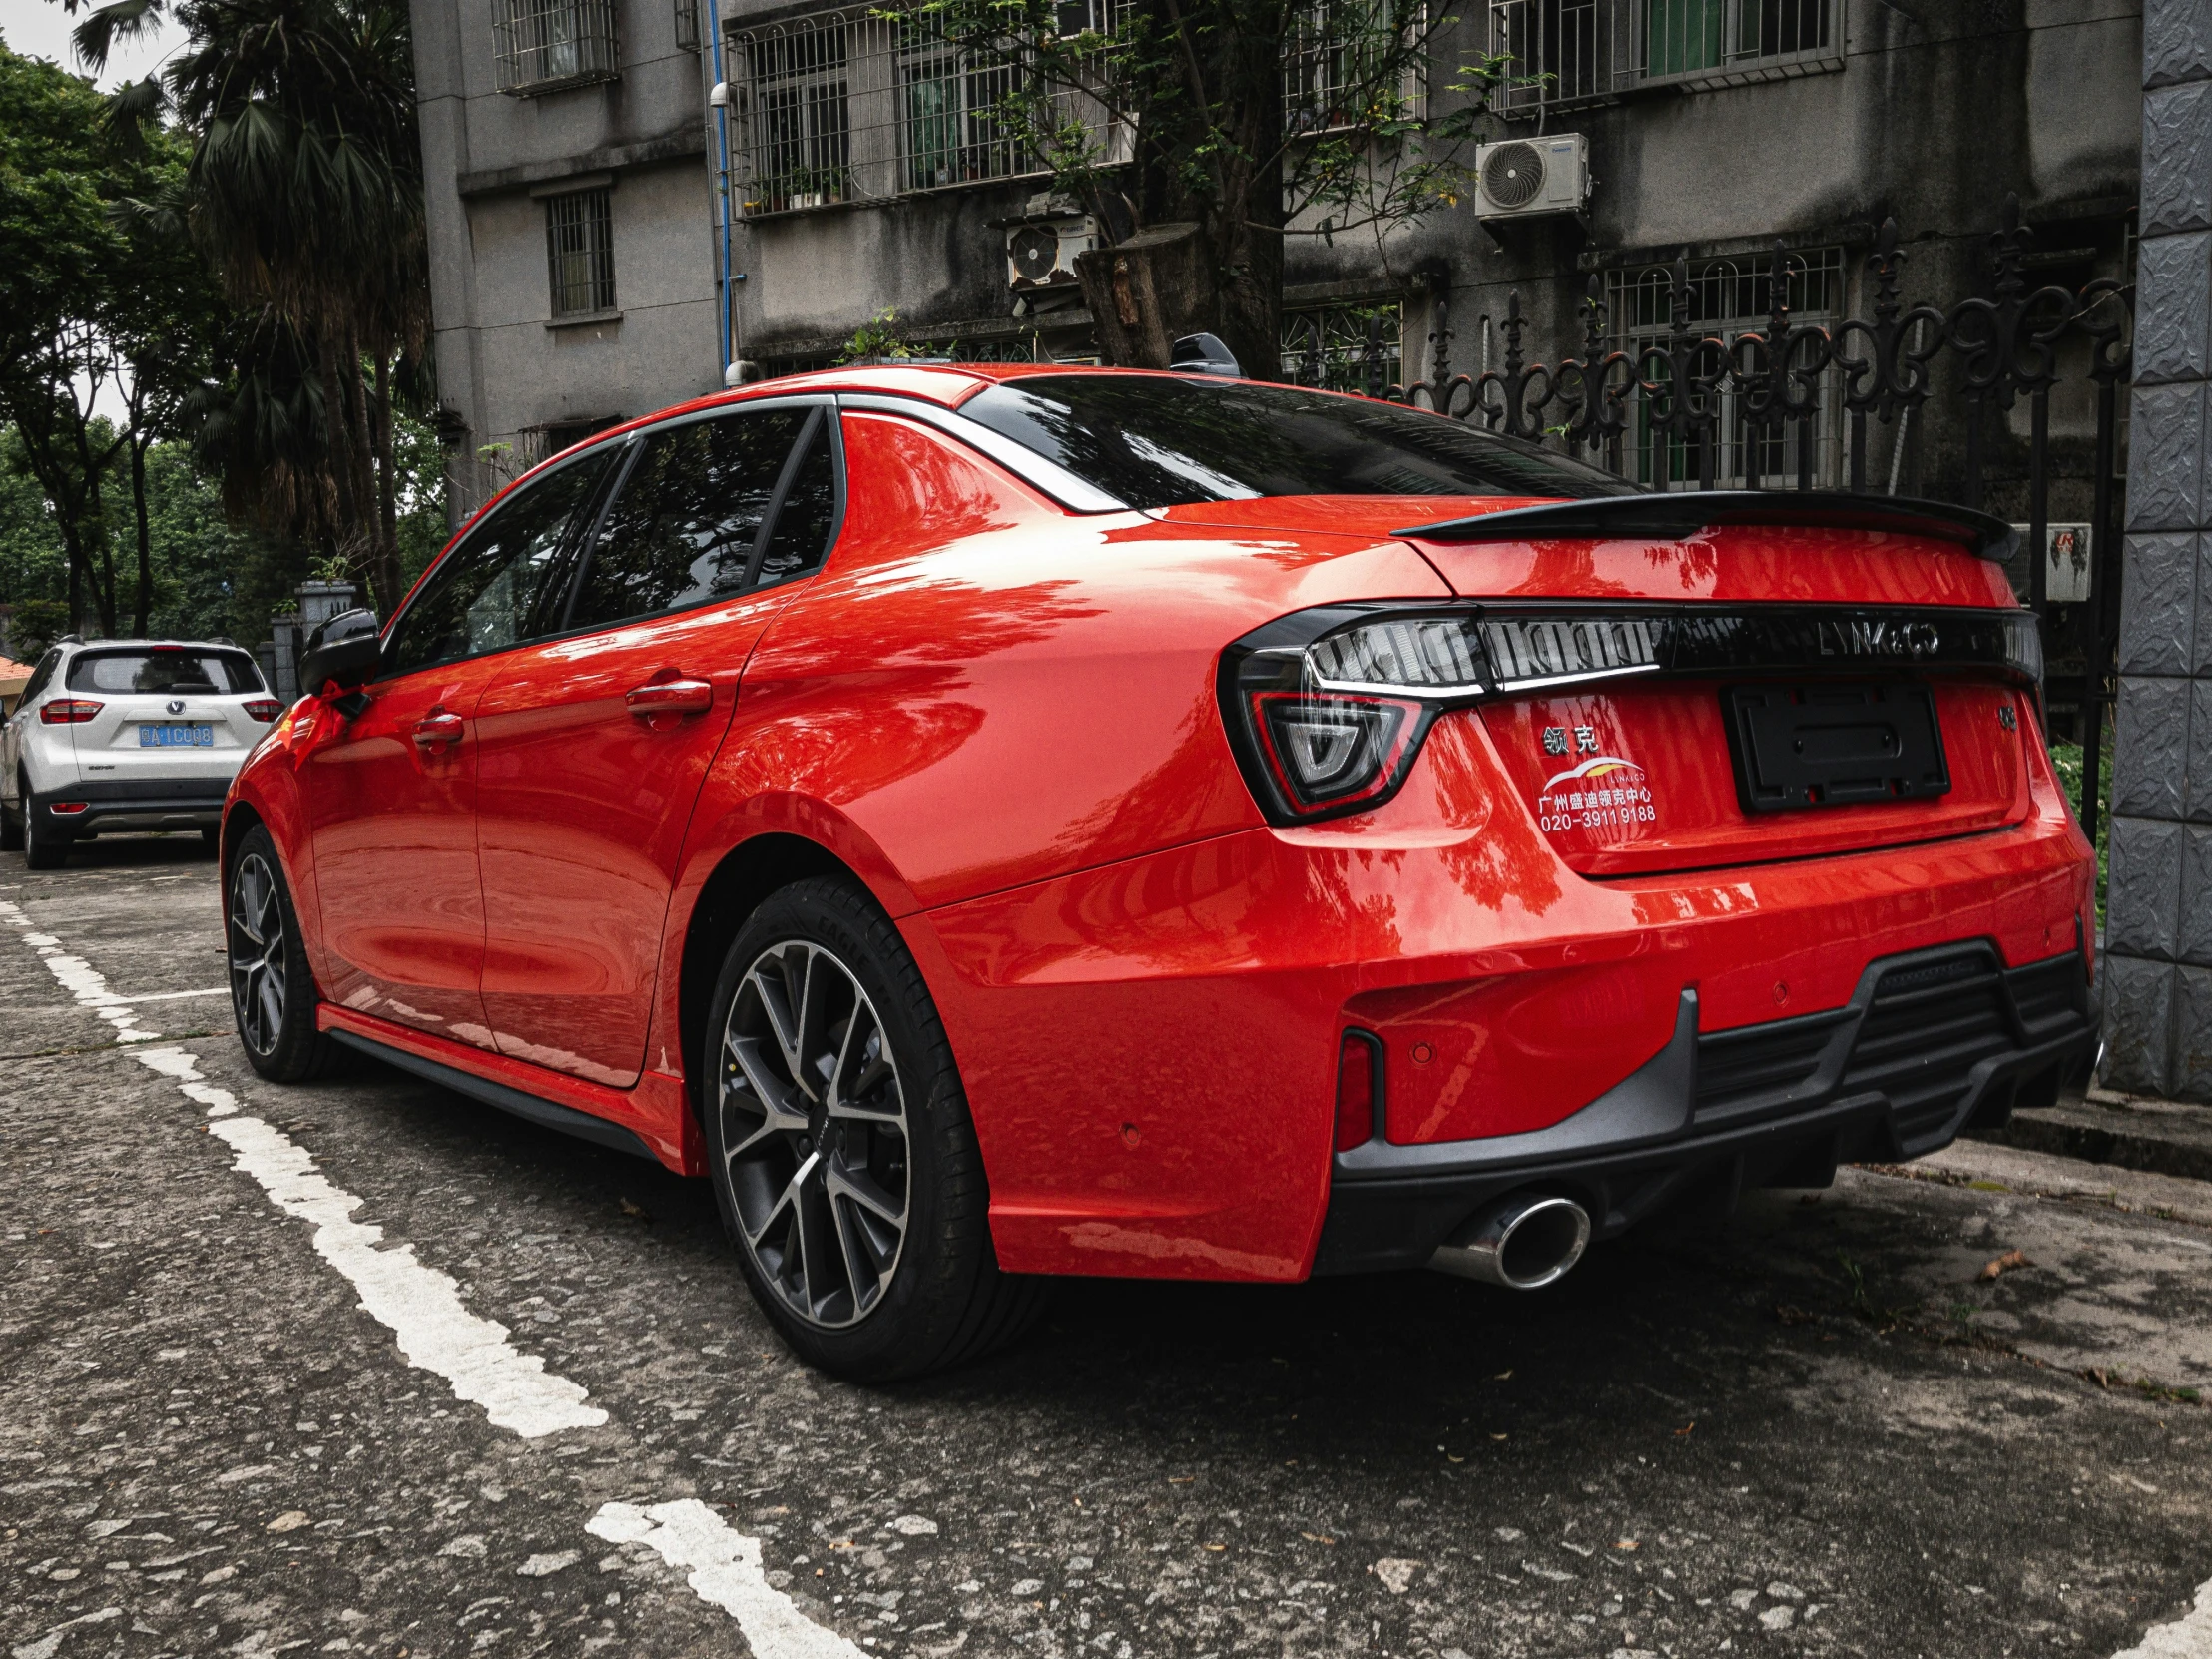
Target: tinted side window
41 675
683 530
800 539
503 585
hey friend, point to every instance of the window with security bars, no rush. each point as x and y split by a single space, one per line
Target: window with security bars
687 24
951 128
579 251
1344 348
538 45
1566 52
1330 56
1728 299
854 106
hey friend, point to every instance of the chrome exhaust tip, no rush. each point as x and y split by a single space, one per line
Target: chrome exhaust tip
1522 1241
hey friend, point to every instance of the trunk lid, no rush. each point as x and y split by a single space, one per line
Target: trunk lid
1789 759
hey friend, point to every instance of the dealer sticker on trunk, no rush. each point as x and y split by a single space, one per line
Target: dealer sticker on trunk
1599 792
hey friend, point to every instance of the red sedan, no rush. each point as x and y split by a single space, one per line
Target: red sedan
996 822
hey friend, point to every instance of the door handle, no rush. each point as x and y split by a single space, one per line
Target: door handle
436 728
671 697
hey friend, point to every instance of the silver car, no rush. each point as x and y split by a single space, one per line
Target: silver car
120 735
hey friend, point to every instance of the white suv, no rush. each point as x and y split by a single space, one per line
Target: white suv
126 735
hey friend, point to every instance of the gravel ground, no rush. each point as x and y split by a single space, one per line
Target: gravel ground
1818 1427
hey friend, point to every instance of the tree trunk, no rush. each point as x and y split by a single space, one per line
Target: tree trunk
144 608
337 466
360 538
1149 292
387 581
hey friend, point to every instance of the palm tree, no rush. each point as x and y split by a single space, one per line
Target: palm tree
303 192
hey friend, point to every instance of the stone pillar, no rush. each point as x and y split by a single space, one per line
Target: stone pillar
2157 970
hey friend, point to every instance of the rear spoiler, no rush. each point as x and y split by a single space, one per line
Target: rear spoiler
1681 515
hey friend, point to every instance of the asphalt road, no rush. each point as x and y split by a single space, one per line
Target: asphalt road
1814 1428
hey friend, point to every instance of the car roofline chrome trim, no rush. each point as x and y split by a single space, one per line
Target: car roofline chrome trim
1077 495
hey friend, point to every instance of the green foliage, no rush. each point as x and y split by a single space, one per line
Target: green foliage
875 340
34 625
2067 761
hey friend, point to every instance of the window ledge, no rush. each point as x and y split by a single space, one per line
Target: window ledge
583 320
561 83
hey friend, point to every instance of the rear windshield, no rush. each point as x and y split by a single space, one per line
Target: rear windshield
1158 441
164 669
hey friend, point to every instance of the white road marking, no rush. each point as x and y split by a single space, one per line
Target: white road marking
79 977
725 1570
175 996
422 1307
2188 1637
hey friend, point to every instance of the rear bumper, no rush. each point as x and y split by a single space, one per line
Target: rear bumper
115 805
1930 1044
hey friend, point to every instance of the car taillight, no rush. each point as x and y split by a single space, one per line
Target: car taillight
1325 708
264 709
68 711
1359 1061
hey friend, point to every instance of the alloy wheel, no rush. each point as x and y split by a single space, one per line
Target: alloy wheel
257 962
813 1129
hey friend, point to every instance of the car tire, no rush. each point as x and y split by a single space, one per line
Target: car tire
849 1179
11 829
273 995
212 839
44 847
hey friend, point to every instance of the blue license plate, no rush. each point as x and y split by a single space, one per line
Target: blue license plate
197 734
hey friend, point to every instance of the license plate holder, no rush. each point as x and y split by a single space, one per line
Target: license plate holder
1805 745
177 733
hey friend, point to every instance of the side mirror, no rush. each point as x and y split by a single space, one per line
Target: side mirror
344 650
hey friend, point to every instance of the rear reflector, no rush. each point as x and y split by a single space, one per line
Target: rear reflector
1357 1062
68 807
68 711
264 709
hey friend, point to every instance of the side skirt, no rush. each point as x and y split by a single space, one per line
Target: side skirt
545 1114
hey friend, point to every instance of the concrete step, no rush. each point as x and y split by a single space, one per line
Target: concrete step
2162 1137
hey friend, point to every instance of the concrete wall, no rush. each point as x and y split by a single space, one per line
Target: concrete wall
506 369
2157 973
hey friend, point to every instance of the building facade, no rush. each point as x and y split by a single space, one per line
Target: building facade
638 201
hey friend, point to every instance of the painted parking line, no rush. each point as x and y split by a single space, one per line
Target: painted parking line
2188 1637
423 1309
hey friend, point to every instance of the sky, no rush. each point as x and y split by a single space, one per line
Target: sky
40 29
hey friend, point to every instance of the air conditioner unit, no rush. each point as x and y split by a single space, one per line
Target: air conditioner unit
1522 177
1040 253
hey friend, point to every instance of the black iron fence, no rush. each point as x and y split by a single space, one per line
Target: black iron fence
1761 407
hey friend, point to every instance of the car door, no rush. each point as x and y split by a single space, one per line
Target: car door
390 796
594 744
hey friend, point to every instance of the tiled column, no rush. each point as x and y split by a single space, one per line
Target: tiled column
2157 970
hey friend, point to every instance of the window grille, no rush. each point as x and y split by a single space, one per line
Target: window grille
852 107
687 24
538 45
1728 297
1344 348
1566 52
579 251
1329 59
